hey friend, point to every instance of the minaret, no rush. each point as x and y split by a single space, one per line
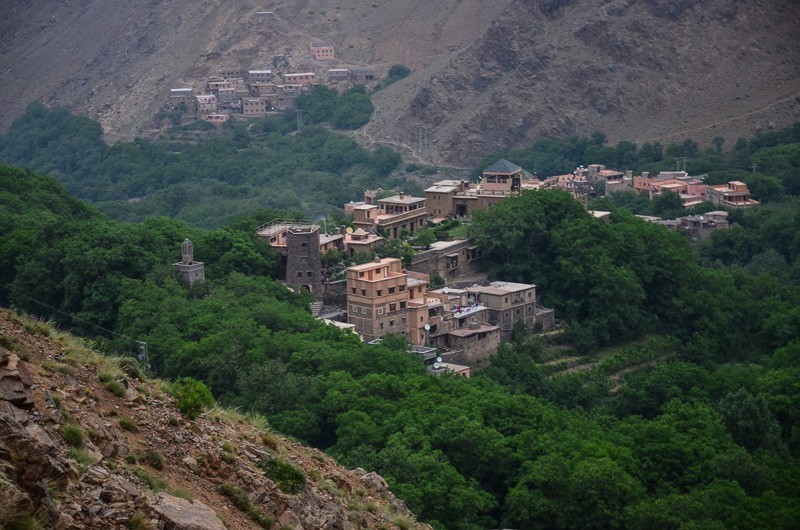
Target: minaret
191 271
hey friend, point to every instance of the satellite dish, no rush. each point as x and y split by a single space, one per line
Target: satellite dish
427 327
446 290
438 360
436 366
349 229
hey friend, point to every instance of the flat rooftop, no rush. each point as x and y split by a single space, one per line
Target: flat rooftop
501 288
405 199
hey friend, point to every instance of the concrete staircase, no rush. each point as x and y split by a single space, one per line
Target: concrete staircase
316 308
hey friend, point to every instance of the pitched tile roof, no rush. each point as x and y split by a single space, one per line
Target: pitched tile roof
502 166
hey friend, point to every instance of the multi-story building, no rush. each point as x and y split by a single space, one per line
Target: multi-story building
206 104
229 72
300 247
393 215
322 51
734 194
254 107
303 79
259 76
508 302
450 259
377 298
459 199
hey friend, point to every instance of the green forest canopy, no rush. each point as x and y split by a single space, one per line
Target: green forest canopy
704 433
205 180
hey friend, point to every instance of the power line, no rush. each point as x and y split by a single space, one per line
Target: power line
138 342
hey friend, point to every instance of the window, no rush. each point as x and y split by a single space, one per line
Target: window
380 310
353 289
403 304
303 260
403 320
402 288
304 245
392 307
299 274
380 325
354 308
391 290
363 310
380 292
391 323
363 292
308 274
518 312
361 274
411 293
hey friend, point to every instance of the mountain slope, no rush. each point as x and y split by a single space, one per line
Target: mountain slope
487 75
85 443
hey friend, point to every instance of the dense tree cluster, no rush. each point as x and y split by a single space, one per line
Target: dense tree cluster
687 417
208 180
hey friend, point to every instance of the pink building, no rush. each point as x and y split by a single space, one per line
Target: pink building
322 51
734 194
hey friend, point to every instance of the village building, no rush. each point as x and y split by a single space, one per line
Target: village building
362 74
183 95
700 227
299 244
691 191
328 242
361 241
338 75
460 327
377 298
322 51
259 76
302 79
576 184
206 104
508 302
393 216
451 260
286 95
254 107
734 194
459 199
229 72
190 271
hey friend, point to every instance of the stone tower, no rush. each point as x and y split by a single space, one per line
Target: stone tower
191 271
303 263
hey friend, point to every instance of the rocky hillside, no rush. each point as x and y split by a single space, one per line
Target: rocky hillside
87 442
487 75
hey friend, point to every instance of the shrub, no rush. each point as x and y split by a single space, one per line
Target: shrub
242 501
115 388
269 440
155 459
83 457
154 483
72 434
128 425
139 521
288 478
193 396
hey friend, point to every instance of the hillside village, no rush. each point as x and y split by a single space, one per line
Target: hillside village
238 93
459 326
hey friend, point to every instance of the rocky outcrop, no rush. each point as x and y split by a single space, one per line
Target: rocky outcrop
79 456
180 514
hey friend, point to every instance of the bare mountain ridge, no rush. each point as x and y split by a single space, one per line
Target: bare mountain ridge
486 76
